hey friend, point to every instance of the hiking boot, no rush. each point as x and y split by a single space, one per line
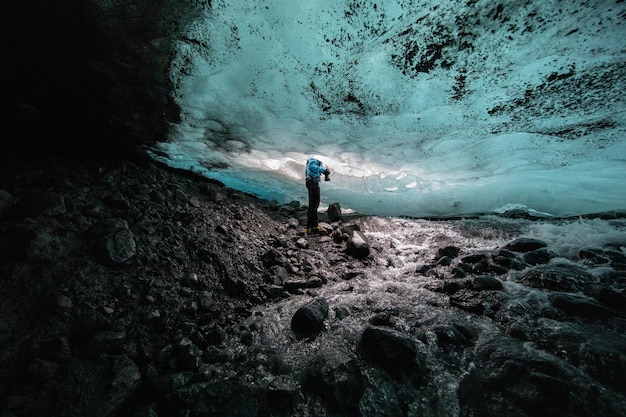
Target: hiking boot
317 230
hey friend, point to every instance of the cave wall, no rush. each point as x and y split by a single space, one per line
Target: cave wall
86 76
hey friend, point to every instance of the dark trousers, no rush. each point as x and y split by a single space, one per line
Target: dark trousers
314 202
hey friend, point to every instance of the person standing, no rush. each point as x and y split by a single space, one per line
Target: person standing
314 169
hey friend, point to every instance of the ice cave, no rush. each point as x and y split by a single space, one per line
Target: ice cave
420 108
153 255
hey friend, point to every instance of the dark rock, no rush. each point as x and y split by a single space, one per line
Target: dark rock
190 280
334 212
309 319
37 203
557 278
512 379
475 258
450 287
171 382
509 260
458 272
580 306
525 244
594 255
349 228
116 242
607 296
282 393
485 282
468 301
337 379
358 245
341 312
450 335
48 247
602 356
538 257
393 351
7 202
295 285
108 384
448 251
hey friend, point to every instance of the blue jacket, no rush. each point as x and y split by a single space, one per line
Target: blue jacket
314 168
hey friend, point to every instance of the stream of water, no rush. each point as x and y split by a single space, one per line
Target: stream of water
391 285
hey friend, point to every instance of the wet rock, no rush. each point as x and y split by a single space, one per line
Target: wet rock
393 351
337 379
603 357
509 260
538 257
606 296
358 245
282 395
334 212
452 335
485 282
189 356
596 256
557 278
525 244
295 285
580 305
309 319
468 301
451 287
458 272
448 251
476 258
341 312
511 378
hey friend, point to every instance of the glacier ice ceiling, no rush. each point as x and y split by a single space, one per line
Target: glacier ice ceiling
418 107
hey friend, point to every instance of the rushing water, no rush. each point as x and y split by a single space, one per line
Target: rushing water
392 285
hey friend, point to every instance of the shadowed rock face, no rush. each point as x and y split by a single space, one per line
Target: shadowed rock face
88 75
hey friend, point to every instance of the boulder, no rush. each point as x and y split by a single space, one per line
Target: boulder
358 245
524 244
308 320
334 212
337 379
395 352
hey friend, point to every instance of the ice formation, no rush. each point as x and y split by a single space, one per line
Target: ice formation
419 107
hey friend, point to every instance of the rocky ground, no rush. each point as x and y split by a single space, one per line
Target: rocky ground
111 272
130 289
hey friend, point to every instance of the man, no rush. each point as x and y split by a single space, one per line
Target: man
314 168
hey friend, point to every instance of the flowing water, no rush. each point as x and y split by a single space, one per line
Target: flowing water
391 286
